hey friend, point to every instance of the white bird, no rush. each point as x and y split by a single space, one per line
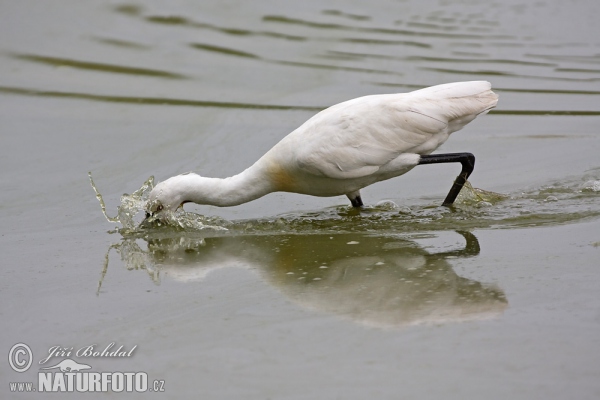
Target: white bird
344 148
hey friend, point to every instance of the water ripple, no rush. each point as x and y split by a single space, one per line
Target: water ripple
149 100
219 104
94 66
507 74
343 14
186 22
222 50
386 31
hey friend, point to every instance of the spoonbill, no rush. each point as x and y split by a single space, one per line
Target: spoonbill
345 148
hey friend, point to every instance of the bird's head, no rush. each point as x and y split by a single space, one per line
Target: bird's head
166 197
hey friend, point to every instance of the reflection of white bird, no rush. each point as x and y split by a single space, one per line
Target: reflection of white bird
345 148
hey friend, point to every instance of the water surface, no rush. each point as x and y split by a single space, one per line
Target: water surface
300 297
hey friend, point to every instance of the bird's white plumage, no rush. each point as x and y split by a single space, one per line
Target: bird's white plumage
344 148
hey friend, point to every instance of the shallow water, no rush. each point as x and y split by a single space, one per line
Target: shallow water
292 296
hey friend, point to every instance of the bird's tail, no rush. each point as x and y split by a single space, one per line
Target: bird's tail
457 103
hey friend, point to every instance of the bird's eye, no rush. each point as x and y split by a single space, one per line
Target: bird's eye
159 208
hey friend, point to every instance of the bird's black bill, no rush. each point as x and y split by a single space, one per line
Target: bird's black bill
467 160
148 221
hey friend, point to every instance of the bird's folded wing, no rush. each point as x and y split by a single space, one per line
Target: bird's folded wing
366 144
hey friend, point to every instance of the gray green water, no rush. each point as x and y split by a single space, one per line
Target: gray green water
291 296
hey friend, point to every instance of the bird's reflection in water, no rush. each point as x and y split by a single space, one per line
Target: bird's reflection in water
383 281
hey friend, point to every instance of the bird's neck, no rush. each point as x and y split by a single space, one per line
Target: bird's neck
241 188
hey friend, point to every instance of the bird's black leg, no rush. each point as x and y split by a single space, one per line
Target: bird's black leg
467 161
356 201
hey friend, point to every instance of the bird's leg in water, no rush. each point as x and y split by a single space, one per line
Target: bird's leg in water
467 161
355 199
356 202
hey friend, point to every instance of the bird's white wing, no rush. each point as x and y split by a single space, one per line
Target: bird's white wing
357 138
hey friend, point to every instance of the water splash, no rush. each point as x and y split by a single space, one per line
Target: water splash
183 220
551 204
131 214
591 186
474 197
131 204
